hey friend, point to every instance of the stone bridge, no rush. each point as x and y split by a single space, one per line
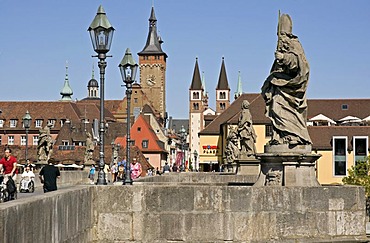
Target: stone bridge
187 207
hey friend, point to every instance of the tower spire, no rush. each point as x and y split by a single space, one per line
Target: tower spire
222 90
196 83
239 89
66 91
153 42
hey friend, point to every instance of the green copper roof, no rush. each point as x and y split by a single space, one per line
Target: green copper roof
128 59
100 20
66 90
204 84
239 89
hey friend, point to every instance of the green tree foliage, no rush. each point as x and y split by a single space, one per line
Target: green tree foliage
359 175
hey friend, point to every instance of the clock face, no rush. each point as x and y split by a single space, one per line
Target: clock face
150 80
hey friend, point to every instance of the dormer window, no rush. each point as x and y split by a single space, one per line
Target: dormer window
344 107
13 122
52 122
38 123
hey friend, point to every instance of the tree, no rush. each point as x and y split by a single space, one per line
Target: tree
359 175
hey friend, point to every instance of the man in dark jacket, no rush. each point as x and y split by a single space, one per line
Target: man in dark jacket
48 176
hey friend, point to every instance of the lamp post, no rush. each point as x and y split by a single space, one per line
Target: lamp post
195 160
183 139
101 33
27 124
128 68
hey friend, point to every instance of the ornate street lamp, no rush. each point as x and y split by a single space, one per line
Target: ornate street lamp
195 160
101 33
128 68
183 135
27 124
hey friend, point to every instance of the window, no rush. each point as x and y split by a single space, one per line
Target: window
344 107
65 142
222 95
195 95
62 121
132 142
145 58
13 123
10 140
38 123
222 106
360 145
1 123
66 147
340 157
135 100
268 131
35 140
139 129
196 106
52 122
23 140
0 140
145 143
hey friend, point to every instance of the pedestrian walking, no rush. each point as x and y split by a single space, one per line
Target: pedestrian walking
49 175
92 174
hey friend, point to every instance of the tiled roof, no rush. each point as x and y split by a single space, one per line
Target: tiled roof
331 108
38 110
321 136
231 114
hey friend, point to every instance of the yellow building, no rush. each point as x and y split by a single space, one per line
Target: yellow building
338 128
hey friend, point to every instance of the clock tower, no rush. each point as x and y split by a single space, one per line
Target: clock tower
152 64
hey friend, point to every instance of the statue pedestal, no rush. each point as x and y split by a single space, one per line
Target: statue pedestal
248 166
282 165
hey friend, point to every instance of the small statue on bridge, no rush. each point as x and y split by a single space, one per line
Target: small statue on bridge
116 148
89 151
232 146
45 144
246 132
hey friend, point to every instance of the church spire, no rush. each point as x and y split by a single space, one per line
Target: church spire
153 42
66 91
205 93
196 83
239 90
222 90
223 83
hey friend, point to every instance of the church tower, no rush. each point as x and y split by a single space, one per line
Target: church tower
222 90
93 87
66 91
197 106
152 64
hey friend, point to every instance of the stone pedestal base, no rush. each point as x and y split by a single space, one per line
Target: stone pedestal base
284 166
248 166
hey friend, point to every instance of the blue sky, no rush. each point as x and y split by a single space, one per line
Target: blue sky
39 36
